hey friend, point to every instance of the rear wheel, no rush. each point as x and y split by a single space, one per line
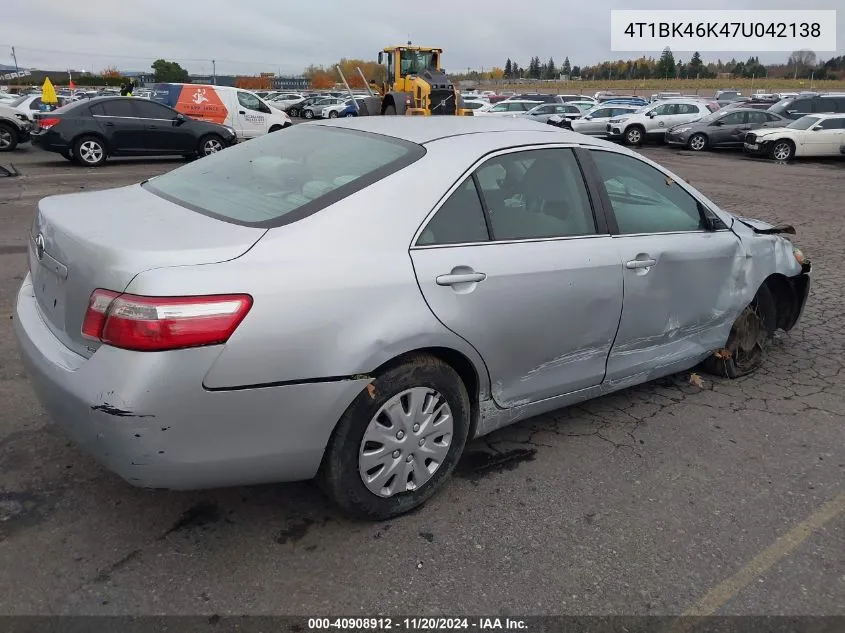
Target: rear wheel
748 340
634 135
333 114
90 151
697 142
783 150
210 144
398 441
8 138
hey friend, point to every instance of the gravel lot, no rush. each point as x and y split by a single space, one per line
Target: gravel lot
667 497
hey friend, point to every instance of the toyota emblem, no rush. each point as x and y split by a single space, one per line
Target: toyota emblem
39 246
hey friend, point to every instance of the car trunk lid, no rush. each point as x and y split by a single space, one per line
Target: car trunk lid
80 242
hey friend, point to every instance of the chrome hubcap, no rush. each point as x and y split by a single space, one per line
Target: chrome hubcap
634 136
5 139
782 151
406 442
91 151
211 146
696 143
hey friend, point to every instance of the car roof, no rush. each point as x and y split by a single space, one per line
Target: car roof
826 115
426 129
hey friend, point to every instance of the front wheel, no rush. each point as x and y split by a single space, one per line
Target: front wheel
748 340
333 114
783 150
210 144
398 441
308 114
634 135
697 142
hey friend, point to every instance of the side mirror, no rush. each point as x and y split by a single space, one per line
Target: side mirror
718 123
589 117
179 119
380 57
650 115
816 128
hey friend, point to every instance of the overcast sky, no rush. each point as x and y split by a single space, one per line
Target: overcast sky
247 37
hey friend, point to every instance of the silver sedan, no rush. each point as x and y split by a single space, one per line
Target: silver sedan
355 300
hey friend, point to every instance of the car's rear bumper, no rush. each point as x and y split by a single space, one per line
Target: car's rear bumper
148 418
50 140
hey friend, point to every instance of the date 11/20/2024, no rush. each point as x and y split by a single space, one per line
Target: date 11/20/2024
417 624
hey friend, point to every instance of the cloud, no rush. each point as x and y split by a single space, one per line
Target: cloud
268 35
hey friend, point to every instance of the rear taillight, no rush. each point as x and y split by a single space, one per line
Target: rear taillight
154 324
46 124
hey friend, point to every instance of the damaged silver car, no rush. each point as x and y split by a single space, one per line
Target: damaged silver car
355 300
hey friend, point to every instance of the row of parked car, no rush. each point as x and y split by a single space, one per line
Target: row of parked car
781 126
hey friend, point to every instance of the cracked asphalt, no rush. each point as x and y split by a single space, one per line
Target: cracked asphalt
642 502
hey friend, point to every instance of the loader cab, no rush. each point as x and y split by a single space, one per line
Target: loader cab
406 61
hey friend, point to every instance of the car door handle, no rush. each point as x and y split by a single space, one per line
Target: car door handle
640 263
460 278
241 112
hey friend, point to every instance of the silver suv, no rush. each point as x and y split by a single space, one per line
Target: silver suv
652 121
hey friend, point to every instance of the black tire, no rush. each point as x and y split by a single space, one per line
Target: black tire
275 128
782 150
90 151
8 137
697 142
293 112
210 144
333 114
748 340
635 135
308 114
339 475
390 110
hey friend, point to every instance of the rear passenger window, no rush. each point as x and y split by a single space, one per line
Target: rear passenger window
536 194
832 124
119 108
459 221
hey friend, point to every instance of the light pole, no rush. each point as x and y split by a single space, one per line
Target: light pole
214 71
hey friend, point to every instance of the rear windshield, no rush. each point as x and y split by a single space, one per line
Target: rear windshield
282 177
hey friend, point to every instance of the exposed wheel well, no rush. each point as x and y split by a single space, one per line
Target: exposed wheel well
786 301
275 128
457 361
388 101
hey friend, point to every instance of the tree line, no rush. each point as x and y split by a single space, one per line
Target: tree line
802 64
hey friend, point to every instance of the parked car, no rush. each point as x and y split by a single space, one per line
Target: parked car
581 98
474 104
296 109
241 110
15 128
653 120
594 122
91 131
198 356
723 128
506 108
320 108
724 97
812 135
804 104
543 111
634 101
343 109
538 97
747 103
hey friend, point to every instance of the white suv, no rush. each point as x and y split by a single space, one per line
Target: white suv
652 121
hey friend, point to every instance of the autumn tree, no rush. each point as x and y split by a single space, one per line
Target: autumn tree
497 73
110 72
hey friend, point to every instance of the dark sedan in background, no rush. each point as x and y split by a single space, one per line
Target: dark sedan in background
91 131
722 128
